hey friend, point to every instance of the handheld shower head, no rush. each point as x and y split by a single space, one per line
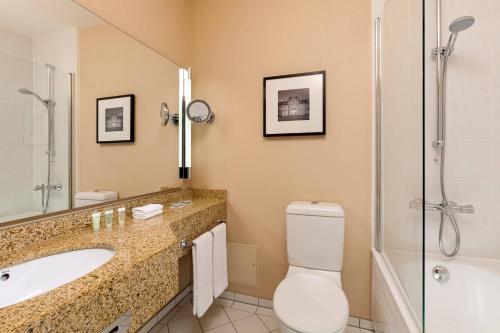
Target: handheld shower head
458 25
461 24
25 91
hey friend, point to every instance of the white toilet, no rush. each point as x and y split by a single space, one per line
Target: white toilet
310 298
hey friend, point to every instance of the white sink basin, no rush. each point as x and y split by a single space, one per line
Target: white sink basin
32 278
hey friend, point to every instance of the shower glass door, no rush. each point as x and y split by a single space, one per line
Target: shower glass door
24 137
462 289
401 148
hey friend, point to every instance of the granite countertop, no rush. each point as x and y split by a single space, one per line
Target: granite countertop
107 291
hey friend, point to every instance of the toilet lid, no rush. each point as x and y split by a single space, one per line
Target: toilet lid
311 304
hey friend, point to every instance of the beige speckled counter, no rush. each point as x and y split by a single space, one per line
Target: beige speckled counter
141 278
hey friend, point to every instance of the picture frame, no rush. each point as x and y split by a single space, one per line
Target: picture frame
115 117
295 104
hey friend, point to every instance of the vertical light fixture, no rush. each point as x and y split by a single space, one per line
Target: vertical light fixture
184 124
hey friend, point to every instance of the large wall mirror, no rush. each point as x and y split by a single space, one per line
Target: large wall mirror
54 68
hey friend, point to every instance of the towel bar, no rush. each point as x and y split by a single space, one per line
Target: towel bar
186 243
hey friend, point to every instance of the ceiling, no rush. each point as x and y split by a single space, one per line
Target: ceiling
33 18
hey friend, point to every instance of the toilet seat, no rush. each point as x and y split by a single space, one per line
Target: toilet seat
309 303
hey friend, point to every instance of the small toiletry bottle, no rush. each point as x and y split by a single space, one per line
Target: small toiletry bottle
121 215
108 218
96 221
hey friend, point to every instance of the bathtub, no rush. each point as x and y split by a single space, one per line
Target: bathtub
467 302
19 216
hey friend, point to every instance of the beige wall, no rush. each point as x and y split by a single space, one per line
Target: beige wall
112 63
231 49
160 24
233 45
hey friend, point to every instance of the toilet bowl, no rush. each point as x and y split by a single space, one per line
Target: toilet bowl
310 299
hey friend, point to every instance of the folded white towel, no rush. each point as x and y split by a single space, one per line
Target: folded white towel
219 259
203 289
147 209
147 216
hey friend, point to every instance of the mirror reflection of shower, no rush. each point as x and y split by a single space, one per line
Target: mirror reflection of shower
49 105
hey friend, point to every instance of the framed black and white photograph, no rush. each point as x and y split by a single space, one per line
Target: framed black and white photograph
115 119
295 104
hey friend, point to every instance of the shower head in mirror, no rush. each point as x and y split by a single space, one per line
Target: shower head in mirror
199 112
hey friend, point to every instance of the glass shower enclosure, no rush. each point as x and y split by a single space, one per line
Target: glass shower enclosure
35 136
437 222
400 155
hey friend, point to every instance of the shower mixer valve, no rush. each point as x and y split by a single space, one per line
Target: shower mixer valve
449 207
57 187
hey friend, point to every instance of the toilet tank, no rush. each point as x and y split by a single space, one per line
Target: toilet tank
315 235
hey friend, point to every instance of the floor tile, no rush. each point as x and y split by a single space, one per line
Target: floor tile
250 325
184 311
214 317
165 319
186 299
270 322
246 299
165 311
265 303
353 321
363 330
235 315
223 302
223 329
352 329
228 295
159 328
186 325
265 311
244 307
363 323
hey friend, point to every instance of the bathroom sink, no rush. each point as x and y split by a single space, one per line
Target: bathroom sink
36 277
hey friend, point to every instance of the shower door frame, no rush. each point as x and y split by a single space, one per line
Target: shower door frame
377 171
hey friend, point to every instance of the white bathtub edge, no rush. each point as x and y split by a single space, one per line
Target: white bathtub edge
390 312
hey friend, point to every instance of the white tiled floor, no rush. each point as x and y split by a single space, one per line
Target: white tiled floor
224 316
228 316
357 325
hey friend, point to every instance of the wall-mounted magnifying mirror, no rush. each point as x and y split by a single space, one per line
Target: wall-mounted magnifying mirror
199 112
165 115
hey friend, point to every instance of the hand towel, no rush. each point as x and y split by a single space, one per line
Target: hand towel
147 216
147 209
203 288
219 259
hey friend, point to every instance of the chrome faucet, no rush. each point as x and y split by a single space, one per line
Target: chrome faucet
448 207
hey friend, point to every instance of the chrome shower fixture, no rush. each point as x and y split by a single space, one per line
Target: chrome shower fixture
25 91
447 208
49 104
458 25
